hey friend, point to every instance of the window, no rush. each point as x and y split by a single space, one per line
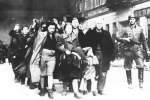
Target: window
94 3
86 5
107 27
97 3
81 6
102 2
91 4
115 27
148 42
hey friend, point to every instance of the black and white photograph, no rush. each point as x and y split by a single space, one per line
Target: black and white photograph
75 49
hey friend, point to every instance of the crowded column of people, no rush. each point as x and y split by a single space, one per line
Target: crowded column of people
77 52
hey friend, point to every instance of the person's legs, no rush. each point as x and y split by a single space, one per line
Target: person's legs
23 77
75 88
105 64
50 70
42 90
16 75
65 85
128 66
83 86
101 82
140 65
42 79
129 78
141 77
93 86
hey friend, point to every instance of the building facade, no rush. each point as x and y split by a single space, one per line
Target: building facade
114 20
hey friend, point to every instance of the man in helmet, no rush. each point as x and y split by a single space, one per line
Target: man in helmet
134 43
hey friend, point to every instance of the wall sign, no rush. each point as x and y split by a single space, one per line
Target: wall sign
142 12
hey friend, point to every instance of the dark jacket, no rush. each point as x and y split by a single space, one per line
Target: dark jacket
136 36
16 46
82 39
104 41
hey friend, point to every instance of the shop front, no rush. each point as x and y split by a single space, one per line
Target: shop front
144 16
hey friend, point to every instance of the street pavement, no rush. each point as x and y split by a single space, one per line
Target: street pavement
115 89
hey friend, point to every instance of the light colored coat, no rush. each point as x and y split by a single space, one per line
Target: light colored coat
35 58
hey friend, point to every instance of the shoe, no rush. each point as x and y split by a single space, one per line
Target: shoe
42 92
140 85
17 81
32 86
130 86
50 94
100 92
22 82
64 93
77 96
85 92
94 93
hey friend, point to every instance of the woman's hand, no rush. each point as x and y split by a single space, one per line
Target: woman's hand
68 52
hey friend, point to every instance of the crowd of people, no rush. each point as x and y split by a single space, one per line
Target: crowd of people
77 52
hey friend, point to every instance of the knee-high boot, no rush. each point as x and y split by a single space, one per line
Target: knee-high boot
129 78
140 77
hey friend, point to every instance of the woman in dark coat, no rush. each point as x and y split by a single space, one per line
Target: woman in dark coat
15 49
70 64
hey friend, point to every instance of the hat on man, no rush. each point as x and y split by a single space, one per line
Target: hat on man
132 16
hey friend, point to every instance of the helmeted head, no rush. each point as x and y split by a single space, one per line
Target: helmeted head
132 19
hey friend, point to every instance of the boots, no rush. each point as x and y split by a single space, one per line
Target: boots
140 77
50 93
100 92
129 78
94 93
42 92
77 96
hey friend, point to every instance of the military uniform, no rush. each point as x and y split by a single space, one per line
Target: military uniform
133 50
